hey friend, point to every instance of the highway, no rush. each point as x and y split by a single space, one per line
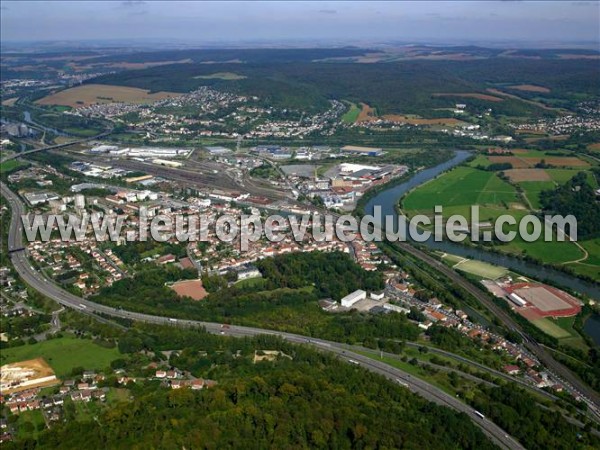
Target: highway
39 282
57 146
574 384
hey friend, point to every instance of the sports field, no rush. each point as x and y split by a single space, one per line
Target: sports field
481 269
190 288
90 94
63 354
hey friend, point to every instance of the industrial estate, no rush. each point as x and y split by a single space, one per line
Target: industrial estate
295 341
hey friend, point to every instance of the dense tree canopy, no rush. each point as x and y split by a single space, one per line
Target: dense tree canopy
578 198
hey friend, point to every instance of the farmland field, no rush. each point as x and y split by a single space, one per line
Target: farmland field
522 162
464 186
90 94
458 190
533 189
551 252
530 88
489 98
561 176
450 121
519 175
63 354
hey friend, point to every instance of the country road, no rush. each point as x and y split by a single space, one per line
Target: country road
45 286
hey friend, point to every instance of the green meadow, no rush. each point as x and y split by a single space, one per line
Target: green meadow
465 186
63 354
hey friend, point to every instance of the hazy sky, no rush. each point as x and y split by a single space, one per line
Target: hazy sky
197 22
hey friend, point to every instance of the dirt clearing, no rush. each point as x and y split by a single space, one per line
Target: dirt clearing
489 98
517 175
530 88
366 114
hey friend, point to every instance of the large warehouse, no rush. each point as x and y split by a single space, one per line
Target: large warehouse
352 298
368 151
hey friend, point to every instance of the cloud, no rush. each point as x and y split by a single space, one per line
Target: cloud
327 11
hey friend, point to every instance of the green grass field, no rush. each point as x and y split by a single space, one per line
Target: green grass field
561 176
534 188
551 252
63 354
480 160
352 114
562 328
551 328
460 188
481 269
10 165
591 265
452 259
592 246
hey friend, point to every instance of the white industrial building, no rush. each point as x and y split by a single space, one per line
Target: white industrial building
164 162
354 297
517 300
104 148
149 152
396 308
377 295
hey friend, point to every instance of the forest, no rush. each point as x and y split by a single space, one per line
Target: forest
578 198
404 87
287 299
309 400
305 399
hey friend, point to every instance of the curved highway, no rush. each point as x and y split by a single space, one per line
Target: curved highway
39 282
574 384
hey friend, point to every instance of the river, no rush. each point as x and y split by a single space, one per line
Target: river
592 328
388 199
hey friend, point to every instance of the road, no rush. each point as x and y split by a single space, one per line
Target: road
39 282
57 146
574 384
